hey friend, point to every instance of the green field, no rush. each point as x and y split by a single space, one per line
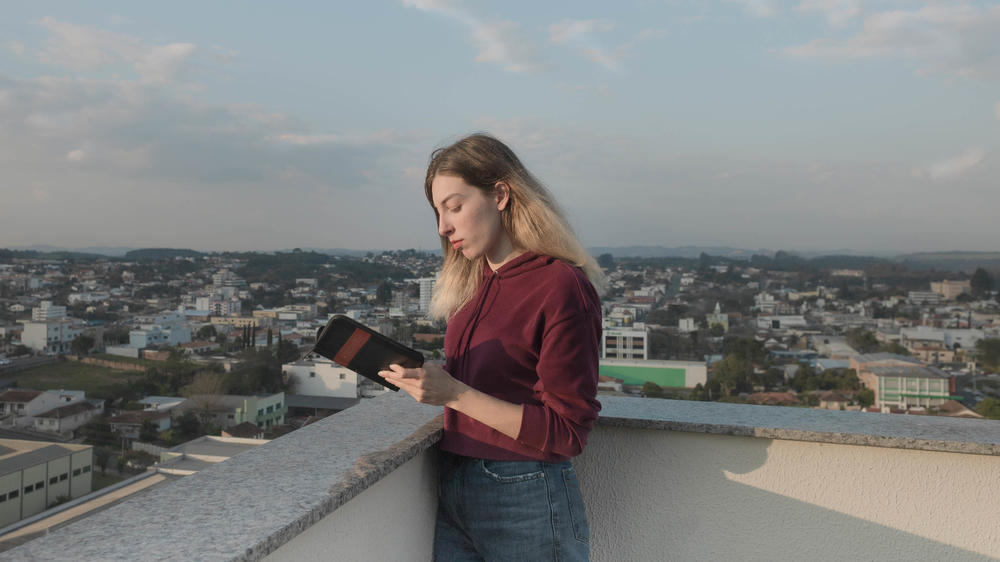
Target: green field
97 382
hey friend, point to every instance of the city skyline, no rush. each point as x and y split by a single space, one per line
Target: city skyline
802 125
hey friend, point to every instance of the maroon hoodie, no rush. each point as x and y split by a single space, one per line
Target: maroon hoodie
530 336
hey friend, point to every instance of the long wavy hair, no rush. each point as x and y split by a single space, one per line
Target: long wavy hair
531 218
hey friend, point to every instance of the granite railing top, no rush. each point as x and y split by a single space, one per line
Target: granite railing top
249 505
901 431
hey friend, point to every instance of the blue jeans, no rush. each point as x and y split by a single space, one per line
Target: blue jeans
509 510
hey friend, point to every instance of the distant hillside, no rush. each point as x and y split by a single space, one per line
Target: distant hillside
156 254
951 261
59 255
677 252
111 251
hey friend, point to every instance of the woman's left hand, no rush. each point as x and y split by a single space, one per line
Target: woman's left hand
429 384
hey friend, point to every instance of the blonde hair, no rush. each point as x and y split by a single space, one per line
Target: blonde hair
532 218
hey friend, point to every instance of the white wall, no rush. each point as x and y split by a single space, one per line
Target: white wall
328 379
391 520
662 495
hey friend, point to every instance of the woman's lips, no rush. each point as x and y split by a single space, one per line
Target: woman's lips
457 244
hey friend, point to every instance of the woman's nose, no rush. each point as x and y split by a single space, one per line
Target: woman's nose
444 229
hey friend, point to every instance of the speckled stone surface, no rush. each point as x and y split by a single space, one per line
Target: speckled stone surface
246 507
249 505
930 433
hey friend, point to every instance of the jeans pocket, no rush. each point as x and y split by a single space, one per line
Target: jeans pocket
577 513
508 472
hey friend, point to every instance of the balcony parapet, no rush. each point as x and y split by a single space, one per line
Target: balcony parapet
897 431
250 505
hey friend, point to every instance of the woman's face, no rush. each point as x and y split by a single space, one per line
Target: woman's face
468 217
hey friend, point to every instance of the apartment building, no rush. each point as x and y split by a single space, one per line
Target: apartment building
621 342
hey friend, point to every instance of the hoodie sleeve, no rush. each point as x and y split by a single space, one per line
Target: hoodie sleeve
567 381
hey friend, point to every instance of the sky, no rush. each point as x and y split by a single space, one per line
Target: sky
798 125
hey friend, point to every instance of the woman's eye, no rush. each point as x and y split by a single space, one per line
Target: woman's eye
456 209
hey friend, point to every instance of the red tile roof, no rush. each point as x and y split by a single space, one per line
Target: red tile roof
24 396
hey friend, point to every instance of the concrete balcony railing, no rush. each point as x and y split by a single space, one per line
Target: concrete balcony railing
663 480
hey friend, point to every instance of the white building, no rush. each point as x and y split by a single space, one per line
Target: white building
780 322
426 291
321 377
624 342
949 338
168 328
66 418
47 311
51 336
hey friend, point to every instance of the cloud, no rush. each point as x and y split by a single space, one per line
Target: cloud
956 166
579 33
137 130
569 30
951 38
81 47
758 8
496 41
15 47
838 12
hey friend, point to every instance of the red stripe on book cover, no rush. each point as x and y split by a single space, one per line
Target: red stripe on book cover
351 347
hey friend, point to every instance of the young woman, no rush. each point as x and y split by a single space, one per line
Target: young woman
520 382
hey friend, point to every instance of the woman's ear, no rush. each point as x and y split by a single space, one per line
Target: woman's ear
501 192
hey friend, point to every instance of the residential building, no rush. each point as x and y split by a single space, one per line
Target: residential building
34 475
67 418
227 410
948 338
924 297
951 289
168 328
321 377
47 311
624 343
426 291
129 424
51 336
23 405
780 322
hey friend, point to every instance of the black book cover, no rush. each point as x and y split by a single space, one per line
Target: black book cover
363 350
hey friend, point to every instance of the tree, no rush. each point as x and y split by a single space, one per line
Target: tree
149 431
990 408
981 282
862 340
747 349
383 295
607 261
98 432
102 456
189 424
82 344
732 375
206 333
894 347
866 397
652 390
988 353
